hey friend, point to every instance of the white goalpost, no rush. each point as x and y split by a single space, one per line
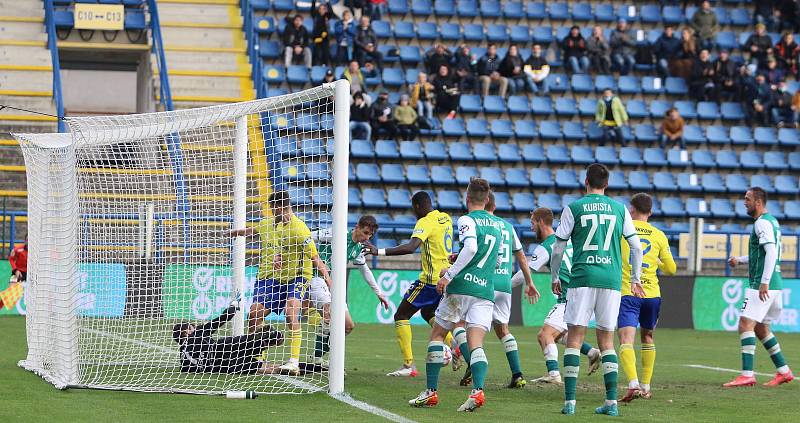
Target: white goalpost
144 229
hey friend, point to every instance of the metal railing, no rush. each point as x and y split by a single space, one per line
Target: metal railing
50 25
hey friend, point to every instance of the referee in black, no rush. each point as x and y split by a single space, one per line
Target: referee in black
201 353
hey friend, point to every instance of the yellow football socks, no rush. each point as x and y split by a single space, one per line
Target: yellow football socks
628 360
295 339
648 362
403 330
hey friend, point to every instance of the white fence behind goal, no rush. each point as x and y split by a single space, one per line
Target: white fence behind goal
128 236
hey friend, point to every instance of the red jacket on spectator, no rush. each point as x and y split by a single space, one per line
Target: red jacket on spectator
19 258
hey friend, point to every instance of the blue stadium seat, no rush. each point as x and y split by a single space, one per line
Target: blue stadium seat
374 198
392 173
421 7
707 110
616 180
484 152
264 25
490 9
717 135
274 74
536 10
664 181
383 29
559 83
557 154
712 182
135 20
465 173
418 174
567 178
434 150
672 15
541 178
740 17
581 83
523 202
410 55
542 106
567 199
525 129
398 198
494 176
559 11
604 12
689 182
686 108
502 128
398 7
646 133
775 160
494 104
794 160
639 180
362 149
722 208
520 34
313 147
542 35
582 12
516 177
478 128
285 147
697 207
652 85
513 10
367 172
788 137
581 154
765 136
732 111
658 108
473 32
393 77
533 153
606 155
650 13
739 208
603 82
736 183
672 207
282 5
444 8
726 40
775 209
318 74
549 130
627 84
450 31
449 200
565 106
518 105
497 33
588 106
353 197
678 158
574 131
763 181
551 201
630 156
693 134
676 86
467 8
411 150
508 153
792 210
502 201
726 159
786 184
441 175
389 52
741 135
269 49
470 103
703 159
654 156
722 15
460 151
453 128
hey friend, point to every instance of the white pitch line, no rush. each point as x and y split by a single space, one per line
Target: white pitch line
344 398
721 369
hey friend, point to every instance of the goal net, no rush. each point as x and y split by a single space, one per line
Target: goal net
143 229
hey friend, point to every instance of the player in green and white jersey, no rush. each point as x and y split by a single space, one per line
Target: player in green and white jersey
596 224
763 299
320 295
468 290
554 328
502 301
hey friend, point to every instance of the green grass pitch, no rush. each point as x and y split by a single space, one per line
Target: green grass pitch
680 393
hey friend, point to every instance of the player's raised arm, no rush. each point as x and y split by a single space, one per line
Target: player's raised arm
322 235
629 232
209 328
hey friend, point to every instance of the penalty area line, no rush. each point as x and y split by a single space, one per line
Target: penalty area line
361 405
721 369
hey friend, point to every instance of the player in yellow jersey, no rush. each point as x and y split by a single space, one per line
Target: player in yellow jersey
433 233
284 270
642 312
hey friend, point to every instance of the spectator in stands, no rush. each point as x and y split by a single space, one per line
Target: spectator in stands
701 82
786 52
511 68
376 9
667 47
345 33
465 69
437 56
705 25
759 44
764 13
773 74
623 47
759 102
726 74
782 113
536 69
329 76
366 43
446 88
359 117
747 84
421 96
406 118
382 117
611 116
355 77
489 73
296 43
672 129
681 65
369 70
574 51
354 5
796 108
599 51
322 16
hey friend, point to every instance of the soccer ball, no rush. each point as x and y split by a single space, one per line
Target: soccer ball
448 356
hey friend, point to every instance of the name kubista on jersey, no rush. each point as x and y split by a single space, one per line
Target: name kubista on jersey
476 279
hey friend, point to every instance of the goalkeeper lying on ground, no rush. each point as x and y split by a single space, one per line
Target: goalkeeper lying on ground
200 352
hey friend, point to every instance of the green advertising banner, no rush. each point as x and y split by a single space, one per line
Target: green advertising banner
717 301
363 304
201 292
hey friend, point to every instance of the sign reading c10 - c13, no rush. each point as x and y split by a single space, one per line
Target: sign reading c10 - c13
99 16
